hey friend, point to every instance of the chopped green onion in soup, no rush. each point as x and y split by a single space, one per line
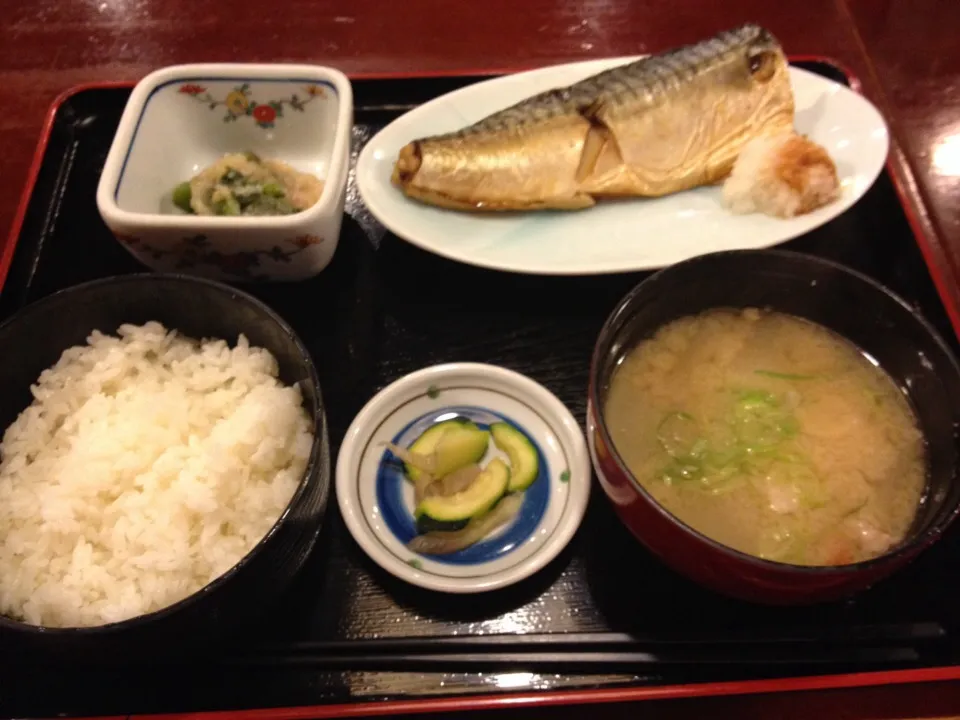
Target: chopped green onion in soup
769 434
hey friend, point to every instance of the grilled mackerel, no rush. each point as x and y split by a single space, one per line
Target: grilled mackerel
656 126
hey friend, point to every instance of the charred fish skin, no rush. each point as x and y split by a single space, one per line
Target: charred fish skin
655 126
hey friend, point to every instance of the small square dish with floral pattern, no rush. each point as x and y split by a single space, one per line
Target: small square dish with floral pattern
231 171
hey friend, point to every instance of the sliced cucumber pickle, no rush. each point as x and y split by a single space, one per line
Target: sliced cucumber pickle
524 463
453 444
425 445
458 447
451 512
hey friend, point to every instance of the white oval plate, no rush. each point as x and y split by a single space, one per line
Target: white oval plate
377 504
641 234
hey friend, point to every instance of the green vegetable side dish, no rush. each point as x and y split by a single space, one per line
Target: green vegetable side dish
457 509
463 443
458 447
524 464
243 184
181 196
458 501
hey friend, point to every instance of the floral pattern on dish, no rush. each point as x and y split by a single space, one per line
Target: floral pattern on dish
239 102
197 251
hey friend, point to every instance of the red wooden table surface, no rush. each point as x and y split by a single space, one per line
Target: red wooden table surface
913 48
904 51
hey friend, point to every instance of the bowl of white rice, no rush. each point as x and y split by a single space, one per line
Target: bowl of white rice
164 464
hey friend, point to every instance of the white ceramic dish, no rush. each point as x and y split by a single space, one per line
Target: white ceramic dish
180 119
377 503
641 234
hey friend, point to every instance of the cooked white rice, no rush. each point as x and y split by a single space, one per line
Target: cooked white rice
146 467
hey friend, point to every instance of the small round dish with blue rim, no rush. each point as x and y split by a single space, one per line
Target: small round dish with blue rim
377 498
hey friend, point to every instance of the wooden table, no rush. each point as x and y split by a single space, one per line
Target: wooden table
904 51
912 48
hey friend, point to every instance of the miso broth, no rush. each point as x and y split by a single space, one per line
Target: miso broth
771 435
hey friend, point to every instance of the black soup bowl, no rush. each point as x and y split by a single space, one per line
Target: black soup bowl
852 305
34 338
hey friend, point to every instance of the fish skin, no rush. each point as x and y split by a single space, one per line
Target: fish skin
653 127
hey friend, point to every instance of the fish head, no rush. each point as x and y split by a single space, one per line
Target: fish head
764 71
764 58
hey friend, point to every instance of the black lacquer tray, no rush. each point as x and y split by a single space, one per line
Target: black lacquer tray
605 620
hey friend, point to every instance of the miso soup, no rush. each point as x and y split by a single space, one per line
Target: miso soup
771 435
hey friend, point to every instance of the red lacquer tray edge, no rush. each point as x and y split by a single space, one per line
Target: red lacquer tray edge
899 172
569 697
